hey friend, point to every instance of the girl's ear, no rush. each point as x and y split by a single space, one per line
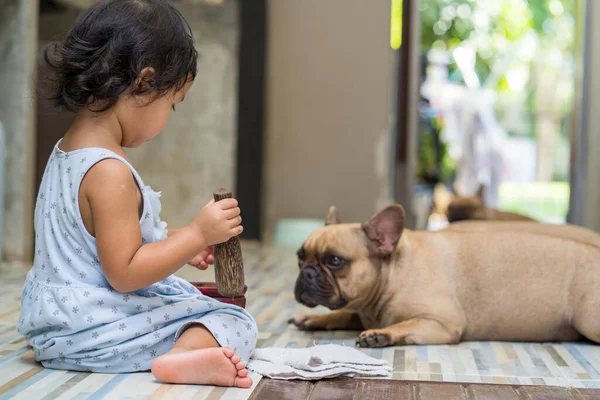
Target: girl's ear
146 75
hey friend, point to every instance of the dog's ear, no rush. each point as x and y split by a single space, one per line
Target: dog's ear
384 230
332 217
480 191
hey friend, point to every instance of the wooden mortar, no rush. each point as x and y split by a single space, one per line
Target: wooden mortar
210 289
229 264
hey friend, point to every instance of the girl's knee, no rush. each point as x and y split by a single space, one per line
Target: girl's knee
251 326
250 331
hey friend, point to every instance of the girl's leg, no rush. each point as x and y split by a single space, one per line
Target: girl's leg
197 358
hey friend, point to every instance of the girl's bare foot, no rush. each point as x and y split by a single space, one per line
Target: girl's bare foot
218 366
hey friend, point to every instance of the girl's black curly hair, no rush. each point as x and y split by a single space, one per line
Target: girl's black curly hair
108 46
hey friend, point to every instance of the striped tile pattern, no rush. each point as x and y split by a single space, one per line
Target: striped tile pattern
270 275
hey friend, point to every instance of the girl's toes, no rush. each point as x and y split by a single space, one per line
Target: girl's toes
228 352
235 359
240 365
242 373
244 382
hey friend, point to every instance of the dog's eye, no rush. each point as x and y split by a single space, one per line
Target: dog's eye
334 261
301 256
301 253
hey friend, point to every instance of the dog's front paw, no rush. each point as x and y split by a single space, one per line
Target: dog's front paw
308 322
373 338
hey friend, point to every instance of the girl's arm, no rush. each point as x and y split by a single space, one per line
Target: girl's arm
201 260
171 232
112 194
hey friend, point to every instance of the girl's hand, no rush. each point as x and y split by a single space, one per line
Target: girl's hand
218 221
202 260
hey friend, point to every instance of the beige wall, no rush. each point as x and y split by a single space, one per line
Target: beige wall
328 90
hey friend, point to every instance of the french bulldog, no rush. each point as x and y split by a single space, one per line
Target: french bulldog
571 232
473 207
473 281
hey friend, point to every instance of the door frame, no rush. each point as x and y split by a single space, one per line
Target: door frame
585 186
405 110
251 114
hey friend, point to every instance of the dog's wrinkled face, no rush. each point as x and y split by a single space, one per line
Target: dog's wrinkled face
340 263
330 262
466 207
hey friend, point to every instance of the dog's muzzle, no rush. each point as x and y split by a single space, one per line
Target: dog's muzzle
313 289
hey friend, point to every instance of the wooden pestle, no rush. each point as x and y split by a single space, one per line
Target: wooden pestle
229 265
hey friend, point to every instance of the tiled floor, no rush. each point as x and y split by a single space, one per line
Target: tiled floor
270 275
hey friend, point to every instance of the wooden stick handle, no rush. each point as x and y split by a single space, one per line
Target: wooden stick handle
229 264
222 194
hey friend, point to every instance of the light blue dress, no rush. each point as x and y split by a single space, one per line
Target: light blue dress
71 315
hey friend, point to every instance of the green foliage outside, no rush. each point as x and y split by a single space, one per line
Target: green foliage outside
524 53
544 201
508 32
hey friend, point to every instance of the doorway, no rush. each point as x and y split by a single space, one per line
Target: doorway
495 104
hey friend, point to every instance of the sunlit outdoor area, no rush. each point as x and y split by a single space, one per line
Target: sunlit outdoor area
496 101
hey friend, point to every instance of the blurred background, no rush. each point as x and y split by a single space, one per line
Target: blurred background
299 105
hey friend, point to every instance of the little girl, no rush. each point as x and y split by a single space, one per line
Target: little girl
101 296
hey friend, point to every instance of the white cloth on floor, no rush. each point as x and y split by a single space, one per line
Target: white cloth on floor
317 362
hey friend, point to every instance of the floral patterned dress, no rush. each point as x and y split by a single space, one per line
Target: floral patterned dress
71 315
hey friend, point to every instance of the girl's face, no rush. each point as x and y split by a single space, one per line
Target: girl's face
142 117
